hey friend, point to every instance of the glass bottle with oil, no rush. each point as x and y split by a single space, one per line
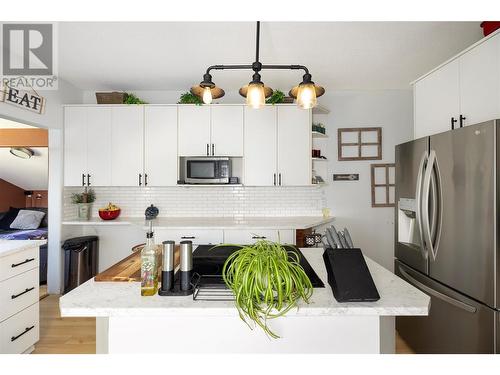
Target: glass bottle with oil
149 266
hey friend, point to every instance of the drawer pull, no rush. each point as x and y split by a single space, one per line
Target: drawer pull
14 296
188 237
14 338
20 264
259 237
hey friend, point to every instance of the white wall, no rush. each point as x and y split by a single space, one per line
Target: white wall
51 119
372 229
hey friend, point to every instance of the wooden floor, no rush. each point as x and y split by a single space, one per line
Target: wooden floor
77 335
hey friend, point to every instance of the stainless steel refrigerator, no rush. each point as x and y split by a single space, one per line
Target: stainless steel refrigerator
446 238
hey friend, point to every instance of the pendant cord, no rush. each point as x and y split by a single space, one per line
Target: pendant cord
257 42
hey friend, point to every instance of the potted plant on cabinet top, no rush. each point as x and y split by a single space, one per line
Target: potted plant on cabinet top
84 203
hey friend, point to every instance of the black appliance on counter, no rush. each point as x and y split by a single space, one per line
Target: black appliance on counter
208 262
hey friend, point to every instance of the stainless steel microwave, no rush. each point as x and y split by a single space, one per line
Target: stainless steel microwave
207 170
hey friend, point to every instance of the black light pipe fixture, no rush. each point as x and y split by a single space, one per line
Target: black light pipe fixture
256 92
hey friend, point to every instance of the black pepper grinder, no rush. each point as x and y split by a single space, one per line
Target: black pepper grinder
186 269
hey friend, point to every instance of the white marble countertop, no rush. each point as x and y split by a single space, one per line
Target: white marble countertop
8 247
283 222
104 299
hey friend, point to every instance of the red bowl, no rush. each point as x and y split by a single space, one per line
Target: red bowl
109 215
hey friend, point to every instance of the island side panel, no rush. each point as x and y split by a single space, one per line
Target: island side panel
299 334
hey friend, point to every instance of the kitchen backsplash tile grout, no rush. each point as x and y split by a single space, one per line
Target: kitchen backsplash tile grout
237 201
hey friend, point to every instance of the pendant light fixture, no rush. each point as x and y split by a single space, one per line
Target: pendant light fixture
256 92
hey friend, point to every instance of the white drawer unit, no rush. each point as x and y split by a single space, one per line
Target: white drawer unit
198 236
250 236
19 262
18 292
20 332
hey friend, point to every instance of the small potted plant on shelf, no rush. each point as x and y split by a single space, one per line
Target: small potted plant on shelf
267 281
84 203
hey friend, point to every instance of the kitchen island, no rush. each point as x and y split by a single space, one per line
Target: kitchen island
129 323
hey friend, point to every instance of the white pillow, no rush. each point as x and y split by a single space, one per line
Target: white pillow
27 219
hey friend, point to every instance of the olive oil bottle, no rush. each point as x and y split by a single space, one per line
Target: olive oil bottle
149 266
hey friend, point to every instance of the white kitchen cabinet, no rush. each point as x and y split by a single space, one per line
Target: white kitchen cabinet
197 236
226 130
160 146
294 146
437 101
99 146
75 146
480 82
465 90
194 130
127 131
260 145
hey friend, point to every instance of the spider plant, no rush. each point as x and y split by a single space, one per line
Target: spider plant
267 281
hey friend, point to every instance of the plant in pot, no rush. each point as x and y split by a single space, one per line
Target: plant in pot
278 97
84 203
189 98
267 281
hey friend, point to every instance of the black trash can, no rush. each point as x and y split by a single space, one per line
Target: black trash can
80 260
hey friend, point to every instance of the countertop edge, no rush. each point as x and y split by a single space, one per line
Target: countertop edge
21 246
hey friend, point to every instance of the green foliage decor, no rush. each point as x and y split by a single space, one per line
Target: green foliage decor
88 196
277 97
188 98
267 281
132 99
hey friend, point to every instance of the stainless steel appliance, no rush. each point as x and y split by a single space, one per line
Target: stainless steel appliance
446 238
201 170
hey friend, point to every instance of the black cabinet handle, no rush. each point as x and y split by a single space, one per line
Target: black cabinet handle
14 296
146 179
83 179
259 237
274 179
188 237
14 338
453 122
140 179
19 264
88 180
208 149
279 179
462 118
213 149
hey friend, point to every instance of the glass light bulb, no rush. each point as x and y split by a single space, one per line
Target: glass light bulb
255 95
207 95
306 96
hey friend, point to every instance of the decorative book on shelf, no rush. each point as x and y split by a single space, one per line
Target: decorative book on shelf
383 185
359 144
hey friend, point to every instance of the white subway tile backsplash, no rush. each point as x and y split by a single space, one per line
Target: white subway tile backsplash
237 201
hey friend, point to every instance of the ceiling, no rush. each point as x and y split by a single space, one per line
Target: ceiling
174 55
28 174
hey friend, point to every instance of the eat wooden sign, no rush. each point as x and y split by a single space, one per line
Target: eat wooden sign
23 99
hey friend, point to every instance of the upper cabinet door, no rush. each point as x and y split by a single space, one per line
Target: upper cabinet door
75 146
294 146
127 131
99 144
194 130
480 82
227 130
437 100
160 146
260 146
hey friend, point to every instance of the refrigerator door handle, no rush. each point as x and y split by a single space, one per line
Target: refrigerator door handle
418 212
435 293
429 170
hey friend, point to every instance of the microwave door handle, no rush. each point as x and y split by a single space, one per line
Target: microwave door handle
418 209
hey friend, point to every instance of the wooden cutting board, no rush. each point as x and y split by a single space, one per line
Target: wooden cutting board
129 269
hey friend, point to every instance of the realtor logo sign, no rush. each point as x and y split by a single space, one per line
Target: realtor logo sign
29 56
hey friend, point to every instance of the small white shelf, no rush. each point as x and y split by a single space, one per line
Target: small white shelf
318 135
320 110
319 159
